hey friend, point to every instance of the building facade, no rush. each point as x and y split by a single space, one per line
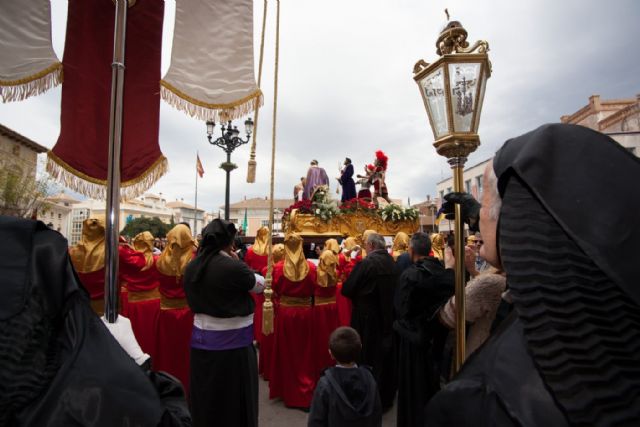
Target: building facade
427 211
618 118
18 153
148 206
56 212
184 212
257 214
21 194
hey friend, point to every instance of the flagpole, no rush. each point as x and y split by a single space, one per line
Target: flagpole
112 229
195 221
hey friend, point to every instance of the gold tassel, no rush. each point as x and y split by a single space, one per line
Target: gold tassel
267 311
251 171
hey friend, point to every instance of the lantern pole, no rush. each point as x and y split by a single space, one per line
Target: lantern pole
455 126
112 217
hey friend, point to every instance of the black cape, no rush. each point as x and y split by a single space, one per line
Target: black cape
346 397
371 287
422 289
59 365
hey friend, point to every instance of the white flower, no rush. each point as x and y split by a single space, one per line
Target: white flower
317 211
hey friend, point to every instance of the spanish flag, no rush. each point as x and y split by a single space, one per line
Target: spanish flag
199 167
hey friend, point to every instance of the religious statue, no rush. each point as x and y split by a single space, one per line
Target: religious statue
375 175
316 176
346 181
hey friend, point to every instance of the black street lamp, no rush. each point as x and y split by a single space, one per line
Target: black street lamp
229 141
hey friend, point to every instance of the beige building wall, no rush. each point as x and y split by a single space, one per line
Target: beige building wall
618 118
18 152
257 210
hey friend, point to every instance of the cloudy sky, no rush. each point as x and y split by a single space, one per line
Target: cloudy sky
346 87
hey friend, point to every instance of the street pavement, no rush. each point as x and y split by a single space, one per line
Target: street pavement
273 413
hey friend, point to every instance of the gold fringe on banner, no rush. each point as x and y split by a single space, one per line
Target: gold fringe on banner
205 111
42 81
96 188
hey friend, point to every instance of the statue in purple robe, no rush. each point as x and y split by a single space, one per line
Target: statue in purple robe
316 176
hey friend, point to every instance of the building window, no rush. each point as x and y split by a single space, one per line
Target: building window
441 195
448 190
59 216
479 184
467 186
265 223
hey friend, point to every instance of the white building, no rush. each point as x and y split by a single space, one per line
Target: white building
57 213
148 206
184 212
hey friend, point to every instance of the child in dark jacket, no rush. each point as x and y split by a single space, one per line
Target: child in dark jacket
347 394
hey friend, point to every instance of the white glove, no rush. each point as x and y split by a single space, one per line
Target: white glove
123 333
259 286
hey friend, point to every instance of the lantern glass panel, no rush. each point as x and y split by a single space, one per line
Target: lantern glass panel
464 89
480 100
434 93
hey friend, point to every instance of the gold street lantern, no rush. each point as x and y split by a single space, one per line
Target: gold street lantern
452 89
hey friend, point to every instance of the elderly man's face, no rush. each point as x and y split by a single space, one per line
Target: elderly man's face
488 225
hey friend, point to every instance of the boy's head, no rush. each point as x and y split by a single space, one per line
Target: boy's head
345 345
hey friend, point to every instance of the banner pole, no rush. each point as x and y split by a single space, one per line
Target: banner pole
195 220
112 230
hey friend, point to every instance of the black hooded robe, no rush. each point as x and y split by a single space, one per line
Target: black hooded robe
371 287
346 397
59 365
422 289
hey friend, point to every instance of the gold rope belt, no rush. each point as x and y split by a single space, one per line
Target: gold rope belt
171 303
97 305
324 300
137 296
288 301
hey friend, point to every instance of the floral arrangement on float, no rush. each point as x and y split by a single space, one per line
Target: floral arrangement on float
393 212
325 208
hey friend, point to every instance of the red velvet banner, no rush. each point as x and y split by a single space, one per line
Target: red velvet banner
79 158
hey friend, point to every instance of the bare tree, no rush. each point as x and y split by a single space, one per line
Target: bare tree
22 194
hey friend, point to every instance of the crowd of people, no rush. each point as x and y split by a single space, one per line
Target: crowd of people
197 308
552 307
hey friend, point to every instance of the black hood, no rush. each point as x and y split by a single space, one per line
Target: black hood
568 242
356 390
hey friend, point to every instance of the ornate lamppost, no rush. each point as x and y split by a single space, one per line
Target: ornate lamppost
452 89
229 141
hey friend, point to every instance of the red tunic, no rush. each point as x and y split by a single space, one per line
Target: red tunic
293 369
129 260
344 304
173 329
257 263
144 303
325 321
